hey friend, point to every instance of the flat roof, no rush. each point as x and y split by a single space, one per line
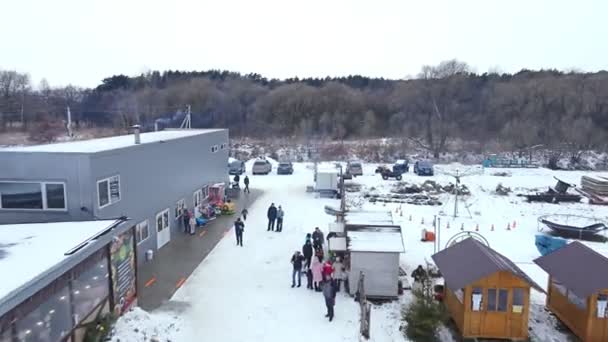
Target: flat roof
376 239
29 250
110 143
368 218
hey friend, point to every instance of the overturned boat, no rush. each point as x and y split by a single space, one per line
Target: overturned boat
580 227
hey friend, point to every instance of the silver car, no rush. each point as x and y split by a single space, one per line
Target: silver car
261 167
354 168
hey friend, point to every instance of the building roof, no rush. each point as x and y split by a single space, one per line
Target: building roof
27 251
375 239
578 267
377 218
109 143
470 260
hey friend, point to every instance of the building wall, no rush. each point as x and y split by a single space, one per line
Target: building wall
71 168
455 308
598 327
153 177
381 273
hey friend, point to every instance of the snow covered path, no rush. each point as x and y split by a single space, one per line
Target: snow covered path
244 293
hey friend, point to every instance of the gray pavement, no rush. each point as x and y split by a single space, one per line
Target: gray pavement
158 280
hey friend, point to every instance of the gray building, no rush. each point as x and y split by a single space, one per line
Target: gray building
147 177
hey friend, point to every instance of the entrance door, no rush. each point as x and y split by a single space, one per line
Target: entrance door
163 231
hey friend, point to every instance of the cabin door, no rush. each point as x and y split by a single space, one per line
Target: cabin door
163 231
497 315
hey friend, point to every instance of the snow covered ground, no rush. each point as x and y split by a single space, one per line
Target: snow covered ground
244 294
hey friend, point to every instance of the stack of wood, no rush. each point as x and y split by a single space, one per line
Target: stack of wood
595 188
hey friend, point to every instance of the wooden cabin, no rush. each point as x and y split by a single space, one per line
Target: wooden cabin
486 294
578 290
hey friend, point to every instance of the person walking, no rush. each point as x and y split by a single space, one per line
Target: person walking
328 270
329 293
280 214
308 238
192 224
296 261
272 216
244 213
338 275
239 228
307 251
317 238
317 273
419 276
186 220
246 182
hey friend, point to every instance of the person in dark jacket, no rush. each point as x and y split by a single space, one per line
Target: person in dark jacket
308 237
419 274
237 179
329 293
244 213
272 216
239 228
246 181
317 238
186 219
307 251
309 279
296 260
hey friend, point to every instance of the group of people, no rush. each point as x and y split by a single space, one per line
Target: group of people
275 215
322 276
237 180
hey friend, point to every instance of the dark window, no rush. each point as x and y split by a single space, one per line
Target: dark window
90 288
503 300
518 296
492 299
20 195
103 193
50 321
55 196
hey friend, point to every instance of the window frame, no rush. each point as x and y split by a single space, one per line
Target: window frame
197 198
44 196
138 231
161 215
205 190
107 179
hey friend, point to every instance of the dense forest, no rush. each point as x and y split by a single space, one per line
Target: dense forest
442 103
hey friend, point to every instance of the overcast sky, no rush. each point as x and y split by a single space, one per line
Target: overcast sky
81 42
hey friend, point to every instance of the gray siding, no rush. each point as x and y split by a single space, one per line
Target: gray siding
153 177
381 273
73 169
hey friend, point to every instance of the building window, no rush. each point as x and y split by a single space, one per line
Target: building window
602 307
108 191
32 196
205 192
142 231
162 220
222 146
492 304
90 288
49 321
477 299
197 198
179 207
214 148
518 300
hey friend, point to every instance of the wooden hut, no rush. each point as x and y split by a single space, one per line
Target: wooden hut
486 294
578 289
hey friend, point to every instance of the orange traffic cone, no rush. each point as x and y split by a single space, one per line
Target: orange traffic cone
514 224
477 228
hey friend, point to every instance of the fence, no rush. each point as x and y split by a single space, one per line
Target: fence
366 308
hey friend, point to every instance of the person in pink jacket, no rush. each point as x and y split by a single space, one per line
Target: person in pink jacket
317 273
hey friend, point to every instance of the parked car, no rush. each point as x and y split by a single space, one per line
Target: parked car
285 168
261 167
236 167
401 166
386 173
354 168
423 168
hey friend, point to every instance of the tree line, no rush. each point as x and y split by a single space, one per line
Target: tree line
443 103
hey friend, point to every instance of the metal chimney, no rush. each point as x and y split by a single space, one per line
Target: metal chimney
136 134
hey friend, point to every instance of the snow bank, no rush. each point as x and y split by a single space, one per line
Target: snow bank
138 325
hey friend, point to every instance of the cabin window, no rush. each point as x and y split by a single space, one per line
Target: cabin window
477 299
518 300
459 295
498 300
576 300
602 308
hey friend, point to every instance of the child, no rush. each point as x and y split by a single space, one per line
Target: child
244 214
309 278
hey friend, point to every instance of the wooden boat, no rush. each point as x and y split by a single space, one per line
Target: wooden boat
572 225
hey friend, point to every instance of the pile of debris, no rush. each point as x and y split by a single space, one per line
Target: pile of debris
595 188
416 199
429 186
502 190
558 193
502 174
352 187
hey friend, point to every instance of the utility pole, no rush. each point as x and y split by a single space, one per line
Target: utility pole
68 125
187 123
